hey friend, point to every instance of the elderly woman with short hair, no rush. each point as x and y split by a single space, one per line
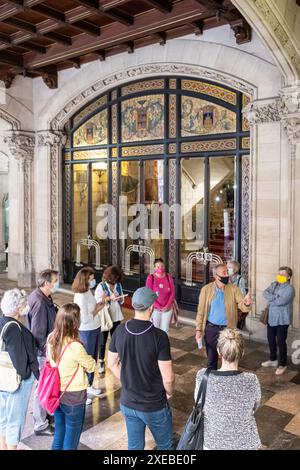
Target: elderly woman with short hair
20 345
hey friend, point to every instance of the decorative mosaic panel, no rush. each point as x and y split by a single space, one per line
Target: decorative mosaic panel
200 117
67 156
115 205
114 123
92 132
102 101
209 145
90 154
246 124
143 118
172 200
142 150
114 153
67 209
246 142
209 89
173 84
114 95
143 86
172 148
245 235
172 116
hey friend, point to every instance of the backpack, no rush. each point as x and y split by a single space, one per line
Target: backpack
48 391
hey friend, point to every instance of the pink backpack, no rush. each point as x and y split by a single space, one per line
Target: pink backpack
48 391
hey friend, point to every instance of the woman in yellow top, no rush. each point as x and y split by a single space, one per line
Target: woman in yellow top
76 363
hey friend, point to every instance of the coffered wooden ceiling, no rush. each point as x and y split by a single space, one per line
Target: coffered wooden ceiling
41 37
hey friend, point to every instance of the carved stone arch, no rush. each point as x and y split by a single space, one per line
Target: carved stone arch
14 122
276 34
144 71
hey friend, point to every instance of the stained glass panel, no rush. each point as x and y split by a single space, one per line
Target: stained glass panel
143 118
200 117
92 132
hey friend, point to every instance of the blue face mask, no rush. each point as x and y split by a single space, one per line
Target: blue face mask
55 287
92 283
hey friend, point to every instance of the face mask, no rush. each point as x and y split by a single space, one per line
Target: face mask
55 287
160 271
230 271
224 279
281 279
25 310
92 283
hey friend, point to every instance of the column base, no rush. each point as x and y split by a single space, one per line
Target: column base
27 279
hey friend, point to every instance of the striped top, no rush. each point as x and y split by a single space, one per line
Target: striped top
232 398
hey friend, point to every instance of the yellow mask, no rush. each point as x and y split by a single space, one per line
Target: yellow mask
281 279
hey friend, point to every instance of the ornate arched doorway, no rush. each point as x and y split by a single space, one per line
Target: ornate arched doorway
157 143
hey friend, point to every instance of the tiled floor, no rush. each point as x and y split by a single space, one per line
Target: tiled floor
278 417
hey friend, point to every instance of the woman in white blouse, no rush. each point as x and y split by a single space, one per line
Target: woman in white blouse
109 289
89 330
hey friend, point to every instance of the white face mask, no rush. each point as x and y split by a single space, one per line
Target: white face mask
92 283
55 287
230 271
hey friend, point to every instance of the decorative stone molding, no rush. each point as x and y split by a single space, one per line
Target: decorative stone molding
259 112
22 145
141 71
289 109
15 124
54 141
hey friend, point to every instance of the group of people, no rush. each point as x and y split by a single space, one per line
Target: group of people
139 355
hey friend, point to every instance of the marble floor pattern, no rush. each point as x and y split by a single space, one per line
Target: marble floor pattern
278 417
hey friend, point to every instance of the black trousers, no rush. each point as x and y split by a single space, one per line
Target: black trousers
211 336
277 336
103 339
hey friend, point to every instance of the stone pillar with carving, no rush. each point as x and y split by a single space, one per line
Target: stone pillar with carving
289 110
22 147
49 183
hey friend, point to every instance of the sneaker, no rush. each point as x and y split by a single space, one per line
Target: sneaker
94 391
89 401
102 367
281 370
270 364
48 431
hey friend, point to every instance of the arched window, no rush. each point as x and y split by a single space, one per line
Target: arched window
158 141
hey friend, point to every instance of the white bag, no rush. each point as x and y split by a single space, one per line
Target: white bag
10 380
106 322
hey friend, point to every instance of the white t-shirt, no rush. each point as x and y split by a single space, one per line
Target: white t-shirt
87 304
114 307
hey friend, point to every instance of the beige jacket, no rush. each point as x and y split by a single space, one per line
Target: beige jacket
233 302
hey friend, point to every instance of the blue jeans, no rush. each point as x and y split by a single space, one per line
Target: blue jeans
13 409
68 422
159 422
91 339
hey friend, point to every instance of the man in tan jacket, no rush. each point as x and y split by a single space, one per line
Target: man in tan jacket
218 309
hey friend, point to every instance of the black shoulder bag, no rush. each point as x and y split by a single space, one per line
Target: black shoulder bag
193 435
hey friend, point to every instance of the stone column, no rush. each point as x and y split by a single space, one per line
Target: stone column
289 109
49 247
22 145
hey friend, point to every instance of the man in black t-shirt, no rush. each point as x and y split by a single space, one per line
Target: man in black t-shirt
139 355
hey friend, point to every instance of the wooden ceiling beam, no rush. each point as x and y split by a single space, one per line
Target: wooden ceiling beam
34 31
161 5
8 58
28 45
114 13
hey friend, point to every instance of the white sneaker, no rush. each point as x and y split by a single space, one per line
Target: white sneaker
269 364
281 370
94 391
89 401
102 367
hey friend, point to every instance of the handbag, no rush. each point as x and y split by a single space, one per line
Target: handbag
193 435
10 380
264 316
106 322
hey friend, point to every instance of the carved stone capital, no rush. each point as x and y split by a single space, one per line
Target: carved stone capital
289 109
260 112
21 144
50 139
